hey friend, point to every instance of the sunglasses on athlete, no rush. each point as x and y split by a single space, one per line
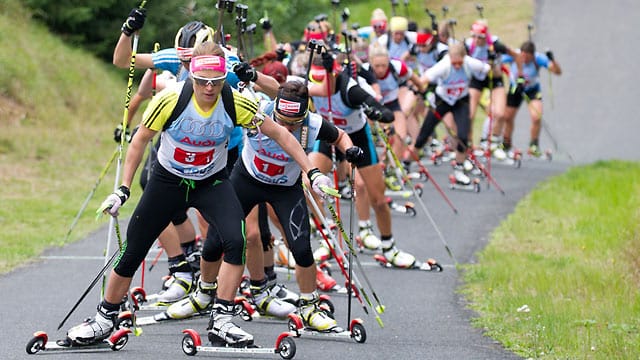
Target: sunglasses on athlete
287 122
202 81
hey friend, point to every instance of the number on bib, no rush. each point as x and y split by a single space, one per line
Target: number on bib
193 157
267 167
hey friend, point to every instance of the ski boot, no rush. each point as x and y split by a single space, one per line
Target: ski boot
367 239
266 304
499 152
324 281
94 330
460 180
315 318
222 331
281 292
196 303
535 152
471 168
179 286
391 180
398 258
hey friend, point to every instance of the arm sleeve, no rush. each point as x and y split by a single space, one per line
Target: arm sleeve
328 132
499 47
368 75
358 96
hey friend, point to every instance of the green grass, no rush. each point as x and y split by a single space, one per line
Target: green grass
570 253
60 106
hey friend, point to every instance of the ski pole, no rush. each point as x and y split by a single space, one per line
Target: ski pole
490 115
349 259
380 308
251 29
321 222
312 46
424 207
91 193
403 175
424 170
125 116
94 281
334 9
339 254
241 21
545 127
480 9
394 4
445 10
91 286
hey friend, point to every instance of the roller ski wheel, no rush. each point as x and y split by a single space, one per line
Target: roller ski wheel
429 265
474 185
408 208
356 331
436 158
284 346
40 342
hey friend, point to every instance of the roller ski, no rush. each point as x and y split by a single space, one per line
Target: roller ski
312 319
406 208
284 346
461 181
535 153
505 156
443 153
40 342
96 332
429 265
226 337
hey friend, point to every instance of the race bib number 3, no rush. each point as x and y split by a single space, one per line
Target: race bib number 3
267 167
193 158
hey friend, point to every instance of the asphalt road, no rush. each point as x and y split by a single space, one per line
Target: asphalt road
592 119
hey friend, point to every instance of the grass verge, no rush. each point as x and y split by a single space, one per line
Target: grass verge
560 277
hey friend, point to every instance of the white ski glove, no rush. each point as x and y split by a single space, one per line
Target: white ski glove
321 184
114 201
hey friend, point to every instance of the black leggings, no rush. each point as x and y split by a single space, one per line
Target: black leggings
460 112
290 207
167 195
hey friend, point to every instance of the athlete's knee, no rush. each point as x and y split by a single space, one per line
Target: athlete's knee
128 264
212 249
303 256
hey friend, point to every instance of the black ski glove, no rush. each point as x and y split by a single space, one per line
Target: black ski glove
117 134
266 24
354 154
245 72
345 15
549 54
373 113
327 61
134 22
280 54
